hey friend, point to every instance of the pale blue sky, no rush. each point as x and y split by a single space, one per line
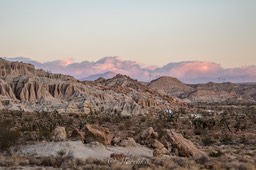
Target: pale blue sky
153 32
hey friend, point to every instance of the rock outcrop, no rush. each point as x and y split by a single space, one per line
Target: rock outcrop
159 148
184 146
94 133
148 133
59 134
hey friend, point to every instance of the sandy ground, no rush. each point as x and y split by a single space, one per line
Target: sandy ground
80 150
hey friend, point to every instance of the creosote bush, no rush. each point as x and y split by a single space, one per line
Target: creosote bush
8 137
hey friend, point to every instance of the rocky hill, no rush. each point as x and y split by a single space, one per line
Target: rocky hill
22 87
209 92
172 86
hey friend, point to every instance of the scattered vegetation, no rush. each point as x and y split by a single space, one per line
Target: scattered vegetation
228 136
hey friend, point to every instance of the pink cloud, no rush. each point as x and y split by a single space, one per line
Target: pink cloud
187 71
65 62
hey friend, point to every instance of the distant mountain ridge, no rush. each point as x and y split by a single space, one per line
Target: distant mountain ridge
106 75
207 93
23 87
192 72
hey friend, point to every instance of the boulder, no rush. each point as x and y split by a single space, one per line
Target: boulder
148 133
128 142
158 152
184 146
77 135
159 148
59 134
96 133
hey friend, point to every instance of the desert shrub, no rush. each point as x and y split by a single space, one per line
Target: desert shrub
143 119
49 161
207 141
44 133
8 137
242 167
61 152
199 131
201 160
216 154
181 162
226 139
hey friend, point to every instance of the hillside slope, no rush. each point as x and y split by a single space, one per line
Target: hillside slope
22 87
208 93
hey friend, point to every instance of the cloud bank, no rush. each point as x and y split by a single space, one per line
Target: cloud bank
186 71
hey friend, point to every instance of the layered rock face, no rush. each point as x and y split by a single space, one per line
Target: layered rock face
14 69
22 87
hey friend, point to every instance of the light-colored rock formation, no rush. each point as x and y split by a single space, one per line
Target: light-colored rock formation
96 133
184 146
14 69
158 152
59 134
22 87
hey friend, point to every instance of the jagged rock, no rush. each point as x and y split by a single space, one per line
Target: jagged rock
148 133
77 135
97 133
128 142
184 146
59 134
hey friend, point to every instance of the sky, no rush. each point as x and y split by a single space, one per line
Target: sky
150 32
